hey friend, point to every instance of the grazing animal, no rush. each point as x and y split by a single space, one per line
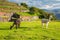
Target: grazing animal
15 18
46 21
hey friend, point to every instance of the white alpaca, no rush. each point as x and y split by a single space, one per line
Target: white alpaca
46 21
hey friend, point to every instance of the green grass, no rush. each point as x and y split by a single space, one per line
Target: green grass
30 31
26 14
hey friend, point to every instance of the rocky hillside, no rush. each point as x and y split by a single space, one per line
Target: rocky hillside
6 6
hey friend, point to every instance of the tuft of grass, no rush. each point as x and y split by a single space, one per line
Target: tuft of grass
30 31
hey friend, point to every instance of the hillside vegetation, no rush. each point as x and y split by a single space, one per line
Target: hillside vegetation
6 6
9 7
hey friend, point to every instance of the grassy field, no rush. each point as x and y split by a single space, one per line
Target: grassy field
30 31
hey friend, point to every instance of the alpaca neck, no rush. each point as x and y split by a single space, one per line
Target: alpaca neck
49 18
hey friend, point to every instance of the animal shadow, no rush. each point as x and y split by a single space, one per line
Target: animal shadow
4 28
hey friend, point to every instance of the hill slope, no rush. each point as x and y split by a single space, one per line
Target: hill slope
6 6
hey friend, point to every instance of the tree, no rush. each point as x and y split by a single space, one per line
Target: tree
43 14
24 5
39 12
33 10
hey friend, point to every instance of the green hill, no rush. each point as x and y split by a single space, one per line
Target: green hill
9 7
6 6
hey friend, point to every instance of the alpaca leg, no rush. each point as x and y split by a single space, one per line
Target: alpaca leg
12 26
47 25
42 25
